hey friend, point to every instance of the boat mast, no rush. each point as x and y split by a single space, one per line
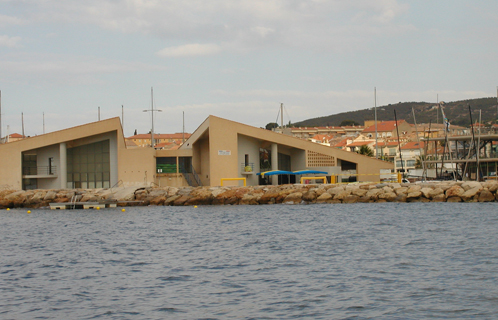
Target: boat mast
375 120
419 146
399 145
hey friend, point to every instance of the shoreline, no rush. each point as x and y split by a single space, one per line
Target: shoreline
448 191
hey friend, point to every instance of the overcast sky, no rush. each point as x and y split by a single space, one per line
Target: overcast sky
236 59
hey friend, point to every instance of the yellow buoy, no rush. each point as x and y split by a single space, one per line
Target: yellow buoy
8 209
123 210
29 211
195 206
98 208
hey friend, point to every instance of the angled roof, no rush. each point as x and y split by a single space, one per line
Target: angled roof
234 128
412 145
360 143
384 126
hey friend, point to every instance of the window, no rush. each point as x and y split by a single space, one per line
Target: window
51 166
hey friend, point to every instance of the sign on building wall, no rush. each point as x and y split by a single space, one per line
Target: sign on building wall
224 152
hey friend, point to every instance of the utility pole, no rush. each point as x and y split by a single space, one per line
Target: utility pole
152 110
44 123
99 113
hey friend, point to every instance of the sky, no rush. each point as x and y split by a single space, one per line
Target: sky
63 61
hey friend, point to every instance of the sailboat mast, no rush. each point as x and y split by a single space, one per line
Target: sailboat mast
375 120
282 116
1 116
22 123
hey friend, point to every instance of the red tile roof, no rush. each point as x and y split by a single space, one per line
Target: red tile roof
160 136
413 145
360 143
384 126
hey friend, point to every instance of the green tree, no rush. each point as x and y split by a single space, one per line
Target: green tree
365 150
271 125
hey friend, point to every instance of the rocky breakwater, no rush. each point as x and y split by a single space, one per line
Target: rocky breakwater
287 194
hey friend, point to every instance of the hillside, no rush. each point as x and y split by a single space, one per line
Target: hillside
457 112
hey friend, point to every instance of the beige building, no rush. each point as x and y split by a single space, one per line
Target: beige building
95 156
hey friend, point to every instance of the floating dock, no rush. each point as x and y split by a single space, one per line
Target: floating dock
82 205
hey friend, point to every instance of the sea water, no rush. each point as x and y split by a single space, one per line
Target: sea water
358 261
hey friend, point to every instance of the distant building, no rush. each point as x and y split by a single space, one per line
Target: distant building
144 140
388 129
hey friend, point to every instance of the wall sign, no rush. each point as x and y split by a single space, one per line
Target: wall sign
224 152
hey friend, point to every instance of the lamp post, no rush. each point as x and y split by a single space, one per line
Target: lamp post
152 110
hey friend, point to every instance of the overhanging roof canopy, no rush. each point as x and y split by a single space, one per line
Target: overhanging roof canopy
309 172
274 172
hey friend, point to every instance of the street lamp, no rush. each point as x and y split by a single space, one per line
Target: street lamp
152 110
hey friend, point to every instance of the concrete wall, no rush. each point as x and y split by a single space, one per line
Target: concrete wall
249 146
137 167
42 156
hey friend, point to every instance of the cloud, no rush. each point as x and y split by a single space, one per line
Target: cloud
189 50
9 42
59 68
10 21
238 25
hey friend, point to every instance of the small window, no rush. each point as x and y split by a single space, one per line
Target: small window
51 165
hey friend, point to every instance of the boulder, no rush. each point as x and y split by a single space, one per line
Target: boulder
324 198
454 199
491 185
249 199
50 195
388 196
181 200
351 199
467 185
373 194
470 194
294 198
310 196
413 195
359 192
439 197
268 197
335 190
426 192
401 190
158 200
454 191
436 192
486 196
342 195
400 198
414 188
123 194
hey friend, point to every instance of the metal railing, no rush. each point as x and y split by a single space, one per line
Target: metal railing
247 167
192 178
39 170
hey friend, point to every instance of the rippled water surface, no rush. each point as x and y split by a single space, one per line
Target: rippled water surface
361 261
